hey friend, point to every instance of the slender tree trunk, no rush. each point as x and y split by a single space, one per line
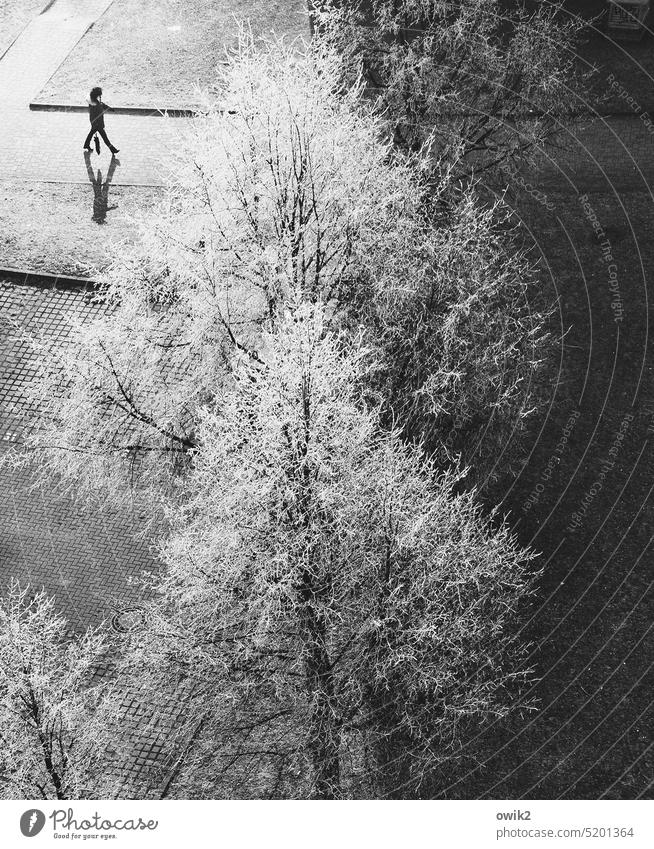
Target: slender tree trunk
45 747
323 741
323 729
54 775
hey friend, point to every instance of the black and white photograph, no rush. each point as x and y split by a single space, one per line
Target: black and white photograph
327 421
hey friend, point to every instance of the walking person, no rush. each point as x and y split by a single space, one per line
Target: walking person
96 116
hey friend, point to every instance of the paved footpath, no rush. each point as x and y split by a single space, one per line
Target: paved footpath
47 146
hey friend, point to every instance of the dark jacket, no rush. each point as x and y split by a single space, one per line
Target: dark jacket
96 113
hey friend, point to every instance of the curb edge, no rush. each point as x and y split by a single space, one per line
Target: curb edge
45 279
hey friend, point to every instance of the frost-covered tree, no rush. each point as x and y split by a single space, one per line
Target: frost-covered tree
57 718
338 615
479 82
289 193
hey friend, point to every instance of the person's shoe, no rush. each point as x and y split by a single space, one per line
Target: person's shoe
115 150
86 149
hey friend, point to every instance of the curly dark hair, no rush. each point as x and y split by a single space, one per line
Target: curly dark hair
96 92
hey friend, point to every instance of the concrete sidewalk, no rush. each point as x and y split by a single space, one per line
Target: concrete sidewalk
47 146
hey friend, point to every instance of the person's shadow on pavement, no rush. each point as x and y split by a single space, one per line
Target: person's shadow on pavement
100 189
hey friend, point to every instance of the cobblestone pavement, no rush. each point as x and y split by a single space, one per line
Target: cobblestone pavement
26 311
84 557
47 146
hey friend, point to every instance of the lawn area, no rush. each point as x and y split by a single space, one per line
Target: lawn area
157 52
14 17
49 226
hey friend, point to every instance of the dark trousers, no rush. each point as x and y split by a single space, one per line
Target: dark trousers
101 132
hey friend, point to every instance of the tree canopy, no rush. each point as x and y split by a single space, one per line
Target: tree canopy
326 590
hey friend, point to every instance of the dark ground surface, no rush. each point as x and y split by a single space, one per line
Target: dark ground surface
586 503
584 499
625 67
74 234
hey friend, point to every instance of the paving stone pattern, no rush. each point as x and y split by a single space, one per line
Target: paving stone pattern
30 312
84 557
